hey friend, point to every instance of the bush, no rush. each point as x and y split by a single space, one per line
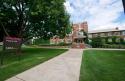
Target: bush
64 44
108 42
41 41
60 44
113 46
97 42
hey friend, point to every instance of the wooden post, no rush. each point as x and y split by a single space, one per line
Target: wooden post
14 43
2 55
4 47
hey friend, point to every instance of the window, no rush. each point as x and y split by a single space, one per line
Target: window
95 35
123 33
116 33
90 35
110 34
124 39
102 34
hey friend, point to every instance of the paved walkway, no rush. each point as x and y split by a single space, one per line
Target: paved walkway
65 67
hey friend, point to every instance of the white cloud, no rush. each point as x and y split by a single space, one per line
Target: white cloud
106 2
68 7
99 14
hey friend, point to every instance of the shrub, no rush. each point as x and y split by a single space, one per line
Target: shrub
96 42
41 41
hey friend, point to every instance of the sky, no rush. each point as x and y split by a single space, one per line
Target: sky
100 14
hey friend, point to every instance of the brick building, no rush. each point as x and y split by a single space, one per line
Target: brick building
78 35
80 26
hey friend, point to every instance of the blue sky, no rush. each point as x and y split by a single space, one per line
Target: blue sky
100 14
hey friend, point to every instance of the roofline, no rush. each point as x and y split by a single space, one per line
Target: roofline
106 31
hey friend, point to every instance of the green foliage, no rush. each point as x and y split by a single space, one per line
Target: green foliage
122 41
120 46
41 42
86 40
108 42
64 44
34 18
97 42
114 39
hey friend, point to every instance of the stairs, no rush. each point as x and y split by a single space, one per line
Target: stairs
78 45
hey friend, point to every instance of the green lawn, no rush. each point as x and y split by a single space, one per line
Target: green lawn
103 66
29 58
0 48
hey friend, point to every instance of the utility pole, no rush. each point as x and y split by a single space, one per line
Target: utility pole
123 1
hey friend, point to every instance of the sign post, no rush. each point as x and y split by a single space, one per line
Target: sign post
11 43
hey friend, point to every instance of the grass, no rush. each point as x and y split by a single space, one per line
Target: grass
30 57
99 65
0 48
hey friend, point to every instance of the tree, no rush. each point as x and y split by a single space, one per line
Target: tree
34 18
14 16
97 42
122 41
86 39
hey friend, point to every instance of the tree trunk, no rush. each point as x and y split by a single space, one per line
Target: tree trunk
4 29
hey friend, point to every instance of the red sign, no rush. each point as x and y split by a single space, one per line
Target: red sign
12 42
11 39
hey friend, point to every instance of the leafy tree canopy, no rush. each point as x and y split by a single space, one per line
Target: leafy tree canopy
34 18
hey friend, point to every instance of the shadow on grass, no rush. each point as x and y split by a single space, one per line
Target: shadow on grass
29 58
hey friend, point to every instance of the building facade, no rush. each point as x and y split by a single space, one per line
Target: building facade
78 35
108 33
76 38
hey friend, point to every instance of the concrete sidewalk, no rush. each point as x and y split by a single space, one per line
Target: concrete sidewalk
65 67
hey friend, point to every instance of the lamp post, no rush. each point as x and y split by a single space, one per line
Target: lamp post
123 1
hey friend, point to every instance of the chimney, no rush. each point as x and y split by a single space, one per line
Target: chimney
117 28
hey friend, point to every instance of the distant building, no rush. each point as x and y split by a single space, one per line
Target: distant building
107 33
78 34
81 26
57 40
